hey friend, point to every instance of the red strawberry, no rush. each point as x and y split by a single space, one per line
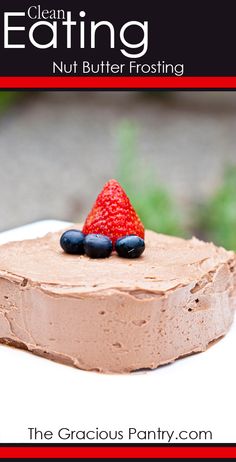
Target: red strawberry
113 215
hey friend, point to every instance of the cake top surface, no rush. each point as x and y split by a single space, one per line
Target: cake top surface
168 262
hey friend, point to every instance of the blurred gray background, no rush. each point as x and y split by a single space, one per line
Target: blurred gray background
58 148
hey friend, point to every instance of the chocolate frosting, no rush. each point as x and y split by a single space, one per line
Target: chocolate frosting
115 315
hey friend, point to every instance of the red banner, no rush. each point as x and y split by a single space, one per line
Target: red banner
119 451
117 83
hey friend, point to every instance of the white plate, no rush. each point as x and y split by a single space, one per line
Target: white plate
193 394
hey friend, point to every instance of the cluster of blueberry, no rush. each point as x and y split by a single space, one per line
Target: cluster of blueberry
98 246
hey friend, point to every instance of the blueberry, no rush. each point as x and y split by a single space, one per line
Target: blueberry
72 241
97 246
130 246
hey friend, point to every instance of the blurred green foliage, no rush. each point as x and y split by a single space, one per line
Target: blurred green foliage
7 98
218 215
150 199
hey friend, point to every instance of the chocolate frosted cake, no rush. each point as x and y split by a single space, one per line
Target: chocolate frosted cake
115 314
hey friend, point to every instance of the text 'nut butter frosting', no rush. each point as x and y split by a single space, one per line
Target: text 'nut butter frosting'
115 314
